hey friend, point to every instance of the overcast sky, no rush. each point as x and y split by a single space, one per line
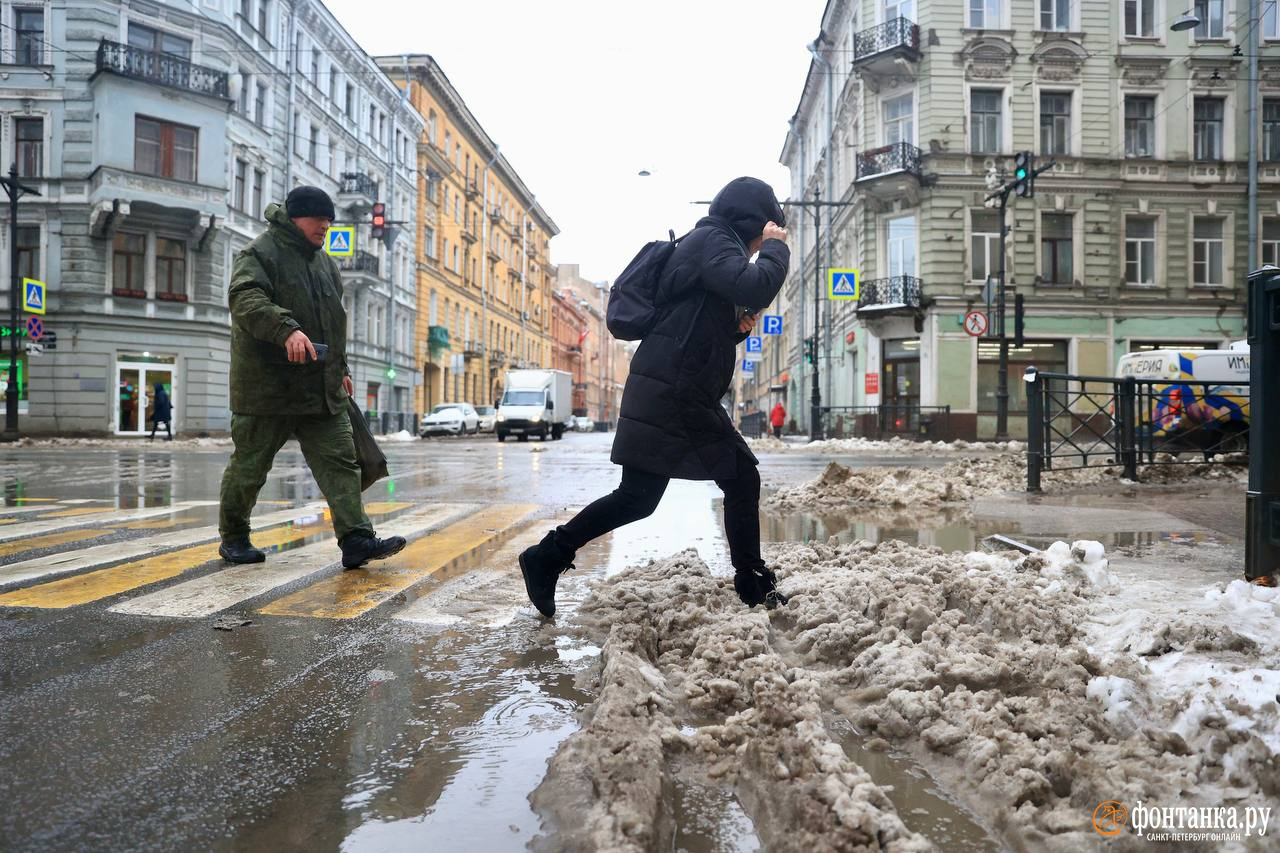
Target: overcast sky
581 95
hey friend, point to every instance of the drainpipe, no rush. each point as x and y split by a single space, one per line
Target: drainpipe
1255 13
289 65
524 271
799 226
830 193
484 278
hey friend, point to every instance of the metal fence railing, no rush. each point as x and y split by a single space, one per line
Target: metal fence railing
1103 421
755 424
888 420
386 423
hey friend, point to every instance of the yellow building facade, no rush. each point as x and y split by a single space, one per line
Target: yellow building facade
485 277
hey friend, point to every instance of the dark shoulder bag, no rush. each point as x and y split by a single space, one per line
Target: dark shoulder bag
373 465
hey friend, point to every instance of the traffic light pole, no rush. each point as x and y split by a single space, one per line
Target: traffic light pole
16 191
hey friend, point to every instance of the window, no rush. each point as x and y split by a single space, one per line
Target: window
1139 18
260 106
313 145
1270 243
242 173
28 141
28 244
259 183
146 38
984 245
984 121
264 9
1208 129
1271 129
171 269
1139 125
433 315
246 9
900 234
349 105
1140 250
333 85
1055 123
429 242
899 9
128 257
431 127
457 267
1211 14
1056 248
28 37
1207 252
1055 14
457 209
985 14
898 126
163 149
1270 21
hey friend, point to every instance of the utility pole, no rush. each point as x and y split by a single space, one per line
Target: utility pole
16 191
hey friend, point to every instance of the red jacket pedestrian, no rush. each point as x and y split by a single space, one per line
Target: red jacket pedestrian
777 418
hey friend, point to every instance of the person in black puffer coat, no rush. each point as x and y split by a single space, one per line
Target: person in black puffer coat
671 422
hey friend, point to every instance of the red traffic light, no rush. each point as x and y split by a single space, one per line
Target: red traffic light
379 215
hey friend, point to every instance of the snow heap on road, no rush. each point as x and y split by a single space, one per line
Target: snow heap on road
961 481
127 443
1029 687
893 447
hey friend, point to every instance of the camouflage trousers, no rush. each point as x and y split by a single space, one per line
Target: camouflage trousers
329 450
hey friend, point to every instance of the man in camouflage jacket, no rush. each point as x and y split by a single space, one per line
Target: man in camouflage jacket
286 298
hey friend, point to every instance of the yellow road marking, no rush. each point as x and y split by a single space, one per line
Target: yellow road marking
349 594
92 586
83 510
33 500
17 546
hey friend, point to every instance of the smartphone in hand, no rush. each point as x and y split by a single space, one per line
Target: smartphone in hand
322 350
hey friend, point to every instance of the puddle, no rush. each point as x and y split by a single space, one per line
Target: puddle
709 819
920 804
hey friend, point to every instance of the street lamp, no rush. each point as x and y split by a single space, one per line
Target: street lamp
1186 21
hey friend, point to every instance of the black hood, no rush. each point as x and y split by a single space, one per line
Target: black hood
747 204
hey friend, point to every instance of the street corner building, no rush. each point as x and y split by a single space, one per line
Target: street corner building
156 135
1139 236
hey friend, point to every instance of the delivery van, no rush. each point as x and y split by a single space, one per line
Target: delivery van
1192 399
535 402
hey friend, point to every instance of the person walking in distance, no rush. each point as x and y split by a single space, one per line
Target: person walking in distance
289 378
671 423
777 418
161 412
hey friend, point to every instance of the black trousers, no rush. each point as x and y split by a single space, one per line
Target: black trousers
155 425
638 496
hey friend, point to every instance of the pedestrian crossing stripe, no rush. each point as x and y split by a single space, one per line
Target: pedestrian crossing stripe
210 594
340 241
843 284
51 540
352 593
56 521
104 583
112 552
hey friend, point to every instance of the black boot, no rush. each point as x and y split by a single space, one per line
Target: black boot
758 586
240 550
541 567
358 549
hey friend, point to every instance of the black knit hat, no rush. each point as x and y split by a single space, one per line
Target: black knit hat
309 201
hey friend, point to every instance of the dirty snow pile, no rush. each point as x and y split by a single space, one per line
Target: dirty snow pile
990 671
142 442
691 687
963 480
402 435
894 446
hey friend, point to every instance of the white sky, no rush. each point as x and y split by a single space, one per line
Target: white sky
580 95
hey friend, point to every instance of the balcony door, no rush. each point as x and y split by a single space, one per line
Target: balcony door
899 119
900 246
899 9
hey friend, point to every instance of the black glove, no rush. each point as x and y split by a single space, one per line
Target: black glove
758 586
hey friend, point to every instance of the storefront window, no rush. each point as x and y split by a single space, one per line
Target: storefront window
1045 356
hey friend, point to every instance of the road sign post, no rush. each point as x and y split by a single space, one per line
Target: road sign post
15 191
1262 500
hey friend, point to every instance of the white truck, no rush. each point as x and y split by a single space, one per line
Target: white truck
535 402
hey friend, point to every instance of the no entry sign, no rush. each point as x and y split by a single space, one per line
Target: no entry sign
975 323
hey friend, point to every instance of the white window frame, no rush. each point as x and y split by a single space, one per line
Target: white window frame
10 143
1156 255
1005 126
10 51
1157 132
1077 246
1227 248
900 7
1073 16
1228 125
991 245
1156 14
41 268
1073 120
998 21
1269 26
1226 22
1265 246
889 246
884 126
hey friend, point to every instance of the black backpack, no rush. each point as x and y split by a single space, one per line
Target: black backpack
633 310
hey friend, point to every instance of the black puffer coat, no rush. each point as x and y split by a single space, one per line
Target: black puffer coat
671 422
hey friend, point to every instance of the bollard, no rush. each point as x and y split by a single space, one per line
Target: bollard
1127 413
1035 427
1262 501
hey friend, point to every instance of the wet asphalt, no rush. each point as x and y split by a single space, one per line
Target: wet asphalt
120 731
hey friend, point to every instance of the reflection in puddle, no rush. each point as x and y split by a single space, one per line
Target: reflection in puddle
708 819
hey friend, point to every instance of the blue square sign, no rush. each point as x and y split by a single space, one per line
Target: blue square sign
772 324
748 367
755 344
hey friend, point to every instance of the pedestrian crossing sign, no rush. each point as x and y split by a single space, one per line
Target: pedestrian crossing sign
843 284
32 296
340 241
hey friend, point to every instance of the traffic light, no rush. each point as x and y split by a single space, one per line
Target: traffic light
1019 320
1024 174
808 350
391 372
378 220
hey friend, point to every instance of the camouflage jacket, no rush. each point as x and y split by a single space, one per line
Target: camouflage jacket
281 283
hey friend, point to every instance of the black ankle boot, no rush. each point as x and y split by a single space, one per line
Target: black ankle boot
541 567
358 549
240 550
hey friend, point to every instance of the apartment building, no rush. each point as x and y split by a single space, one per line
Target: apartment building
156 133
1136 237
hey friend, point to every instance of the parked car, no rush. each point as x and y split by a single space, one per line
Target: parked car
450 419
488 416
583 424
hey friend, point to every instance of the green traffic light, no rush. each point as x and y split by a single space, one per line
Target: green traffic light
391 373
1021 173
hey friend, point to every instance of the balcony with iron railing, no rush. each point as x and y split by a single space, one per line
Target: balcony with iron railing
437 337
888 48
473 349
357 190
890 171
361 262
896 295
163 69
